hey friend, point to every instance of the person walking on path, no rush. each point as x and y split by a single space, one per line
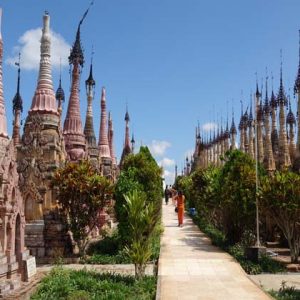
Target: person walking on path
180 206
167 192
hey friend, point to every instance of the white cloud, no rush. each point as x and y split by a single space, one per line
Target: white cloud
29 47
159 148
209 126
167 162
169 177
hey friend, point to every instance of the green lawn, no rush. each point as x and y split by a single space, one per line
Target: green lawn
84 285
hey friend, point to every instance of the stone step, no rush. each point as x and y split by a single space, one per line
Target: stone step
272 244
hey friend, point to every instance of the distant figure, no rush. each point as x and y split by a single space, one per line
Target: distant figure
167 192
180 206
173 195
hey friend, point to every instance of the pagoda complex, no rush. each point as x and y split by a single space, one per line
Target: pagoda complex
271 129
31 212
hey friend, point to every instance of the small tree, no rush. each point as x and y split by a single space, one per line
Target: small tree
140 172
236 190
281 198
141 220
82 193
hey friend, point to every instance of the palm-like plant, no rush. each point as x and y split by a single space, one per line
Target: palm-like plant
141 220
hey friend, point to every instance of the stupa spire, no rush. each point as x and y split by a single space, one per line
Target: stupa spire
233 133
132 143
60 95
73 133
291 122
44 98
17 109
127 149
111 140
104 150
127 120
241 129
269 157
284 156
89 123
251 129
3 122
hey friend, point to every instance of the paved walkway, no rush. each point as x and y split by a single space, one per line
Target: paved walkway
191 268
274 281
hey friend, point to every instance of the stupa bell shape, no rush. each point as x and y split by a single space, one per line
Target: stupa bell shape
3 122
44 98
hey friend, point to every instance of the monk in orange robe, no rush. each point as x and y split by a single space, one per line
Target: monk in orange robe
180 206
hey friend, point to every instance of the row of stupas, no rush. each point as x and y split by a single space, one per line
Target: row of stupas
46 145
267 133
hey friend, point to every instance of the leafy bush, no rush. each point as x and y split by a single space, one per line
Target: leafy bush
280 197
69 284
109 250
237 194
140 172
82 193
109 245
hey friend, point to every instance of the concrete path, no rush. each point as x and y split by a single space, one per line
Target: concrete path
274 281
191 268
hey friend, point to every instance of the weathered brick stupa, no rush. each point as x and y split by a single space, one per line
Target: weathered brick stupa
13 254
75 142
89 132
40 152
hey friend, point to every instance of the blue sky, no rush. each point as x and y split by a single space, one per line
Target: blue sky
173 61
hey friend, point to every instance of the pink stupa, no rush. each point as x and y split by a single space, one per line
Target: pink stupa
72 131
44 98
104 151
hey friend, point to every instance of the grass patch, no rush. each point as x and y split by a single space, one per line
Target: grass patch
265 264
106 259
87 285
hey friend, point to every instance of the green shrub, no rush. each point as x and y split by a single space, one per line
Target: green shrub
120 257
68 284
280 197
108 245
140 172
